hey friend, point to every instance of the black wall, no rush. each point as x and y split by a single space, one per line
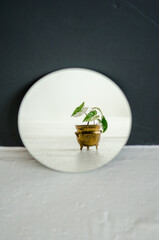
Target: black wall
117 38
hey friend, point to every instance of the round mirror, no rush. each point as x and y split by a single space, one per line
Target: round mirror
74 120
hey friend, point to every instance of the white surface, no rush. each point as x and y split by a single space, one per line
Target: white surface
64 154
119 201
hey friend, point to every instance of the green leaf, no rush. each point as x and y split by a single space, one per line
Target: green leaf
104 124
78 114
78 109
95 117
89 116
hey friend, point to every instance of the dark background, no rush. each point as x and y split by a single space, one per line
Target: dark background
117 38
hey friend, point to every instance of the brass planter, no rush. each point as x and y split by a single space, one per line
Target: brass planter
88 135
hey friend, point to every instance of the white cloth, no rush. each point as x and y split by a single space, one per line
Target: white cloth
118 201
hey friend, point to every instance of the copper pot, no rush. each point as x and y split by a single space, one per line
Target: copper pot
88 135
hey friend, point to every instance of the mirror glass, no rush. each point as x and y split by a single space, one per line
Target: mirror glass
74 120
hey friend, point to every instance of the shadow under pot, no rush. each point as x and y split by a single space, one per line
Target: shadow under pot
88 135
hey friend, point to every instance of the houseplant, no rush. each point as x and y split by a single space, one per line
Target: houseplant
89 135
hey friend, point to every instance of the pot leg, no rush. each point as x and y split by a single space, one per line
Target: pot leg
97 147
81 147
87 147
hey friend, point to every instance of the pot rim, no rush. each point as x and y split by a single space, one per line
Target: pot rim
85 125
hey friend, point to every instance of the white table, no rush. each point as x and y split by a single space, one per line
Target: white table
119 201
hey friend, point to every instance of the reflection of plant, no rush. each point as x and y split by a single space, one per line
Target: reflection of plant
92 116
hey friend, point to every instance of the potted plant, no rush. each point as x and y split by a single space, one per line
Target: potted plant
89 135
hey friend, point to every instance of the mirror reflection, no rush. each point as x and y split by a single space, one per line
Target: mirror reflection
74 120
